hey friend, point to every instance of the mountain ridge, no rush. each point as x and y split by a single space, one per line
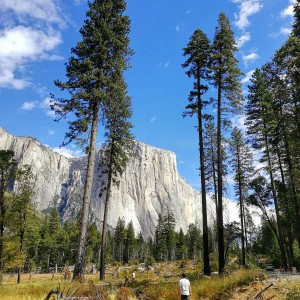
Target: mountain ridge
149 186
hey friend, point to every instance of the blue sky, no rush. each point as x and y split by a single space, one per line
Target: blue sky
35 41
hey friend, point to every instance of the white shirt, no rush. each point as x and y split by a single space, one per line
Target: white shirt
184 285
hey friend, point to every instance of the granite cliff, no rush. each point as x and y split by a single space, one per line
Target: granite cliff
149 186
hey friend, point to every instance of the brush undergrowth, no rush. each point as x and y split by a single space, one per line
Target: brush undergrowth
26 291
221 288
210 288
293 291
157 286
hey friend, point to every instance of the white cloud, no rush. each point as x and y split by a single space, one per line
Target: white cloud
153 119
46 10
239 122
78 2
24 42
45 106
41 91
247 77
247 8
230 179
50 132
243 39
288 11
250 58
28 105
164 65
21 44
67 152
178 28
285 31
258 166
282 31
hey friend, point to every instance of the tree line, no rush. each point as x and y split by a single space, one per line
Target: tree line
40 242
270 135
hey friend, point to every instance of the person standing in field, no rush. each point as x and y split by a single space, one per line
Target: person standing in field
185 288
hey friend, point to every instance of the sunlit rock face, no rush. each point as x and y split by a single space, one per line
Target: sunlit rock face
150 185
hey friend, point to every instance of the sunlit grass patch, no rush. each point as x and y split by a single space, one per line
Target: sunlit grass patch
159 284
222 287
26 291
293 290
210 288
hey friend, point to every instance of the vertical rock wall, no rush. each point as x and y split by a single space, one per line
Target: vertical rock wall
149 186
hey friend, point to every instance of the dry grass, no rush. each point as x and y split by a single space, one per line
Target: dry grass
160 284
25 291
293 291
290 288
209 288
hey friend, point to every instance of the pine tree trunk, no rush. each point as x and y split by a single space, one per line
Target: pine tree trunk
291 175
245 228
294 190
203 184
104 225
214 173
220 181
241 207
286 202
79 268
278 218
22 234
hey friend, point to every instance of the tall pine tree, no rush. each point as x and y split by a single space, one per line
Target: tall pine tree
22 214
197 51
224 75
95 67
242 165
7 166
260 128
117 150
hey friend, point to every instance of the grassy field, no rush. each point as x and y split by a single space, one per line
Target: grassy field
159 284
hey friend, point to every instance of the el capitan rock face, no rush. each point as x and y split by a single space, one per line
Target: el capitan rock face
149 186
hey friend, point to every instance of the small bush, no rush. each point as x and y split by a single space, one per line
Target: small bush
123 293
150 261
183 264
164 291
133 262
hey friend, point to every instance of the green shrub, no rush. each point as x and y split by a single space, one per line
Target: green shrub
133 262
150 261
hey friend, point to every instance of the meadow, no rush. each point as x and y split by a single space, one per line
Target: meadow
158 284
